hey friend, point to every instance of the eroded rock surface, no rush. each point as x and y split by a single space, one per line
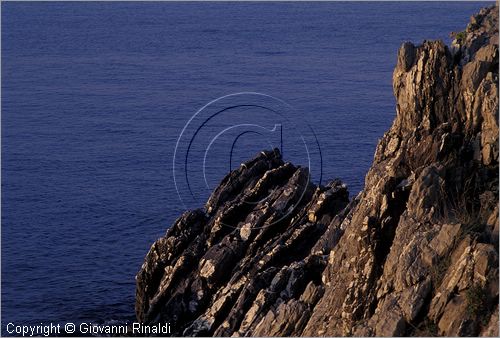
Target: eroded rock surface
415 253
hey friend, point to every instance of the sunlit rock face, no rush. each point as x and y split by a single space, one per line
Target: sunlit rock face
415 253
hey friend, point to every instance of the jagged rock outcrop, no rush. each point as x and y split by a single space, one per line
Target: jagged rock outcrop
220 270
415 253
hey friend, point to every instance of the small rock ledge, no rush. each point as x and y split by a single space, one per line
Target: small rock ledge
415 253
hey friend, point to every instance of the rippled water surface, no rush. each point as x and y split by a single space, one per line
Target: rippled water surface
94 96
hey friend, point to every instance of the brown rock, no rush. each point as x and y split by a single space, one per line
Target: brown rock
415 253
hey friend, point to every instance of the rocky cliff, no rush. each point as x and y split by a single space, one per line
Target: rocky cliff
415 253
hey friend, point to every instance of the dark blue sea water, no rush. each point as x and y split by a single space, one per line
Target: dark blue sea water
95 95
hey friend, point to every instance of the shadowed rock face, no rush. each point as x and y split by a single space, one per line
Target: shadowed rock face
415 253
220 270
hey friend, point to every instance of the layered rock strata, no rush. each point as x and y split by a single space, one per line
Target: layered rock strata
415 253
